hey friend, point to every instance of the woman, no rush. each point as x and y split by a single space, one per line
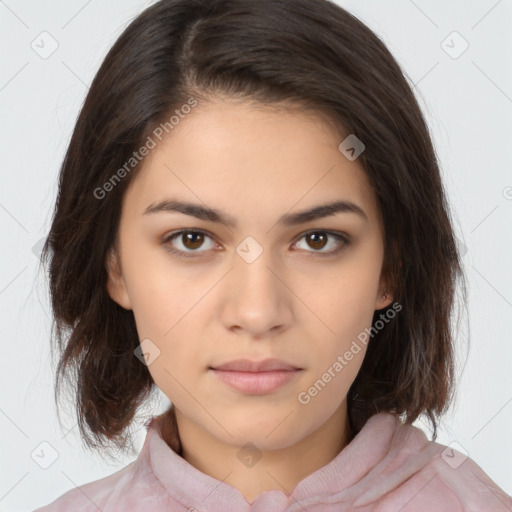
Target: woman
251 219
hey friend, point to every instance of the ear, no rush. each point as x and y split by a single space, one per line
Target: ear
382 301
385 286
116 285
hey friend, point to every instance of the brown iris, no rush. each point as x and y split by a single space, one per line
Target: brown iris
315 239
192 240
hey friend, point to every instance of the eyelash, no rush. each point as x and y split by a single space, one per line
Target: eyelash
185 254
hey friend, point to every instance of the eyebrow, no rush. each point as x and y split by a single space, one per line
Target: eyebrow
288 219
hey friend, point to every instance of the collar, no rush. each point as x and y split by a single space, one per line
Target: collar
197 490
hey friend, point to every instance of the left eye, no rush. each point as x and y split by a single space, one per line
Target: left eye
319 240
191 240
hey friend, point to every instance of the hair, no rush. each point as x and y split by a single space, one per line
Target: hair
308 54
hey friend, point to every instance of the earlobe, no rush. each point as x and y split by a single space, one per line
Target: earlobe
384 295
384 300
386 287
116 285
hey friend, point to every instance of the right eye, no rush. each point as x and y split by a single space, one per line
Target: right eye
189 241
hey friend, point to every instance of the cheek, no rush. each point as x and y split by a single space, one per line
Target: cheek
345 303
178 366
161 295
165 314
344 311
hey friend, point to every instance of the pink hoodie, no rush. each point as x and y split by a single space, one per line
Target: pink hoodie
388 467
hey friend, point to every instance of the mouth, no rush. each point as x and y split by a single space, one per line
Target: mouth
256 378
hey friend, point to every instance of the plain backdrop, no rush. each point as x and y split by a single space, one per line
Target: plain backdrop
455 55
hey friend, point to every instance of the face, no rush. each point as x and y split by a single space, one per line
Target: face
263 284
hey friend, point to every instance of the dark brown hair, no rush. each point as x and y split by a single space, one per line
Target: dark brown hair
311 53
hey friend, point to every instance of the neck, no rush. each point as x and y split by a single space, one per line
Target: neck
276 469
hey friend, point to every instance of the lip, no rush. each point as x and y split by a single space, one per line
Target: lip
256 383
248 365
256 377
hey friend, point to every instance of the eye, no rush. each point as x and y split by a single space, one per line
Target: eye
320 239
189 241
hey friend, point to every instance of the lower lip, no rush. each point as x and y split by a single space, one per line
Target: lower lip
256 383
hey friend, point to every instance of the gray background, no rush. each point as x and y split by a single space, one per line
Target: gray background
466 95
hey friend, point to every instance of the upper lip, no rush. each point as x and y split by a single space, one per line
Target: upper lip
247 365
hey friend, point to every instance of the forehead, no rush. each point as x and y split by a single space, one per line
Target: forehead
248 159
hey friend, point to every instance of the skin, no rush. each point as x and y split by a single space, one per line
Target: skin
254 163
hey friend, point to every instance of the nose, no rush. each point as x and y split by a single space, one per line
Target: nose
257 300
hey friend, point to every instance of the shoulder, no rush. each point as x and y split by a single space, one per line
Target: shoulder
92 496
453 472
418 475
117 491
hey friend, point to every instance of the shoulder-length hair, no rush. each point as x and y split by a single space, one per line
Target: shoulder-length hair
311 53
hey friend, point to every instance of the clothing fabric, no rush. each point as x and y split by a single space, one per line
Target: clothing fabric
387 467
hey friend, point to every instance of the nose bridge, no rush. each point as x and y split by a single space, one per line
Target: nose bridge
257 296
255 269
